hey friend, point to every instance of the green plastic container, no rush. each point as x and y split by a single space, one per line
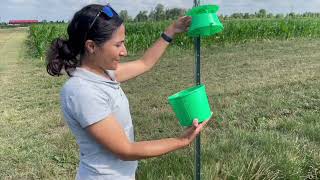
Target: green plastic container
205 21
191 104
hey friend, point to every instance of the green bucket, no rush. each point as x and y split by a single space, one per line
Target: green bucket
191 104
205 21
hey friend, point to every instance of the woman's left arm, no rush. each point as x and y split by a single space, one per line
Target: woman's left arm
129 70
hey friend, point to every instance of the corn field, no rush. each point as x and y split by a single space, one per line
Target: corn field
139 36
40 36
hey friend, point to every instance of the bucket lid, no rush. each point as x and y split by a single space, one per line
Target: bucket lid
203 9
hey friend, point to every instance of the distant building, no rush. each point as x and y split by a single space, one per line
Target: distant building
22 22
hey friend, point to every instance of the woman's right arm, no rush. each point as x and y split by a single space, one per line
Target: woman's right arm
111 135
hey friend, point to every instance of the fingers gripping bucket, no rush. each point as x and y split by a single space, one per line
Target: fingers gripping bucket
205 21
191 104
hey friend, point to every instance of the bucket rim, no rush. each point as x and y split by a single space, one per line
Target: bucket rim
185 92
198 31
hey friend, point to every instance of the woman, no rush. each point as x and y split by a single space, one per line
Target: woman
94 105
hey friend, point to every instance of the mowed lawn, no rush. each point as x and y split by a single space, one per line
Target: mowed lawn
266 96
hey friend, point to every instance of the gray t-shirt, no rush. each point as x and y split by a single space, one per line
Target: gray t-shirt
87 98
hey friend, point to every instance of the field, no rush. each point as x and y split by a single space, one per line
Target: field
265 92
236 31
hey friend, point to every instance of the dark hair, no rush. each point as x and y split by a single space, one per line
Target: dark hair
65 54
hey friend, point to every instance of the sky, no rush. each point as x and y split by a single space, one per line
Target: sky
53 10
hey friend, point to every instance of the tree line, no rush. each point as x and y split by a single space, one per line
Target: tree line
162 13
157 14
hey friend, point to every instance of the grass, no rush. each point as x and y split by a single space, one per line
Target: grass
267 95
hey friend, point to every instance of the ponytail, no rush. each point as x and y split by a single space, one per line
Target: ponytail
60 56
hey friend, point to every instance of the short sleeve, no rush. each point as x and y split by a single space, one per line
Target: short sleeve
89 107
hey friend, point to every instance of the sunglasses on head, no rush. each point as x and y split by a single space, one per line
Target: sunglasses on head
107 11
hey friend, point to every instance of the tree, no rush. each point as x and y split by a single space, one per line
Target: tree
262 13
246 16
151 15
291 14
236 15
124 15
279 16
159 13
174 13
141 16
270 15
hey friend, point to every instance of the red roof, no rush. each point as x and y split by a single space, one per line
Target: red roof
23 21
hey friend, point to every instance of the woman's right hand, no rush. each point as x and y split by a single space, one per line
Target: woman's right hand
191 133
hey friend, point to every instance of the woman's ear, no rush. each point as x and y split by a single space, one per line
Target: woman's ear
90 46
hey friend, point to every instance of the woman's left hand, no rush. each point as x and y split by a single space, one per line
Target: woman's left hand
180 25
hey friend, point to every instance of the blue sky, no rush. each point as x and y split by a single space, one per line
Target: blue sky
64 9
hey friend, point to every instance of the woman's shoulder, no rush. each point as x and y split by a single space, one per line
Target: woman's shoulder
76 87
